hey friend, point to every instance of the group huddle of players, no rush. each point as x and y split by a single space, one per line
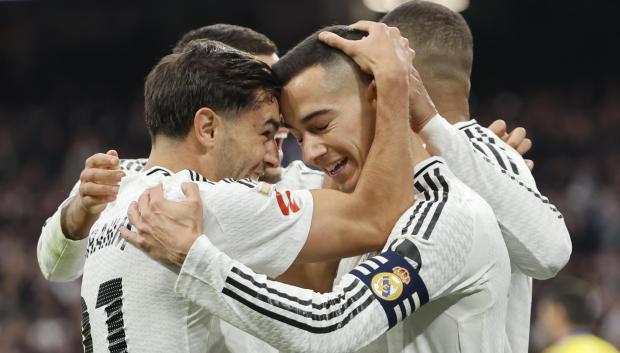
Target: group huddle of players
421 233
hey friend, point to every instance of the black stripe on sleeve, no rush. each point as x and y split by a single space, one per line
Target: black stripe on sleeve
440 206
468 126
295 323
324 305
308 313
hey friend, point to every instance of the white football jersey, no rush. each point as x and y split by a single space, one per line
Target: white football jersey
444 274
534 230
128 299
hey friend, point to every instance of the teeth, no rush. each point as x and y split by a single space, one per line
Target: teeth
335 166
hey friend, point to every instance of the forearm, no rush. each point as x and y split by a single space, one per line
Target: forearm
318 276
60 259
289 318
533 229
385 186
75 221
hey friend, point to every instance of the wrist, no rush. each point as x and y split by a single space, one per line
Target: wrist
418 124
75 220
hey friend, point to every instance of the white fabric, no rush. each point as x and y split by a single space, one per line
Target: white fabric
241 217
61 259
462 260
536 236
297 176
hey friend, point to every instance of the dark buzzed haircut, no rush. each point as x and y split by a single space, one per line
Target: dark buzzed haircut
240 38
441 37
311 51
206 74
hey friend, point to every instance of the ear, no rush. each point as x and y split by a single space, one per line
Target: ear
371 94
206 124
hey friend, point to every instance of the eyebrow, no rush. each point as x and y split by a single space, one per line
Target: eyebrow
306 119
273 121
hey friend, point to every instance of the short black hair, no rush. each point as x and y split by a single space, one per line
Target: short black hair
311 51
238 37
441 37
205 74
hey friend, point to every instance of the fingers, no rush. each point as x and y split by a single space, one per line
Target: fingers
530 164
156 194
365 25
135 217
515 137
191 191
134 239
336 41
524 146
499 128
98 190
101 176
101 160
112 153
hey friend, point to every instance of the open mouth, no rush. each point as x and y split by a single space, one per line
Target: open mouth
337 167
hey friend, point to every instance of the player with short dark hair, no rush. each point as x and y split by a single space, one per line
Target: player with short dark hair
444 264
238 37
534 230
246 216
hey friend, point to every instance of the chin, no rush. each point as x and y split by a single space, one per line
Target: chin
271 177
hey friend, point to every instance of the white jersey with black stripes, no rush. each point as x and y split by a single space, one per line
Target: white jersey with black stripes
536 236
128 299
445 269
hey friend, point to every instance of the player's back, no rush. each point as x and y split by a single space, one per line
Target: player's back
128 299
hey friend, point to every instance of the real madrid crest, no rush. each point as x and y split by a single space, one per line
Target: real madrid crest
387 286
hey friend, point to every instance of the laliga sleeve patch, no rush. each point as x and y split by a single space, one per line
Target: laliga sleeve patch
395 283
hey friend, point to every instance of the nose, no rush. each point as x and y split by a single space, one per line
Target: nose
272 154
312 149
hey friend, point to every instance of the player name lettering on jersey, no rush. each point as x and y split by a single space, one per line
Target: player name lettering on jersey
105 234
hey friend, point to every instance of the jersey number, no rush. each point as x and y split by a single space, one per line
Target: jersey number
109 296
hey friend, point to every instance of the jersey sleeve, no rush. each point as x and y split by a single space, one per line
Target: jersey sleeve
60 259
533 229
257 224
293 319
372 298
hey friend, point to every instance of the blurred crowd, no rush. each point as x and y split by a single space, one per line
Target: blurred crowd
43 147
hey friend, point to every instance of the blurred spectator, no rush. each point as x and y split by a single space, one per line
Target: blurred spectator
567 318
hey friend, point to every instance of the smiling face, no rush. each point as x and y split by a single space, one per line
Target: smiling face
246 146
330 113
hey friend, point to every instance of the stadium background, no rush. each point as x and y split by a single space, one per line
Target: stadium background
71 77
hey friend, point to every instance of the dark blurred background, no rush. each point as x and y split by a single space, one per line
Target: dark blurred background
71 77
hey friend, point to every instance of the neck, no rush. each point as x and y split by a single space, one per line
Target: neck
176 155
451 99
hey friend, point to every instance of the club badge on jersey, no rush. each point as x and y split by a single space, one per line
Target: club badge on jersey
395 283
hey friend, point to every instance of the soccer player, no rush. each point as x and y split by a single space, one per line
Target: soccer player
62 244
533 229
63 238
226 121
445 258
